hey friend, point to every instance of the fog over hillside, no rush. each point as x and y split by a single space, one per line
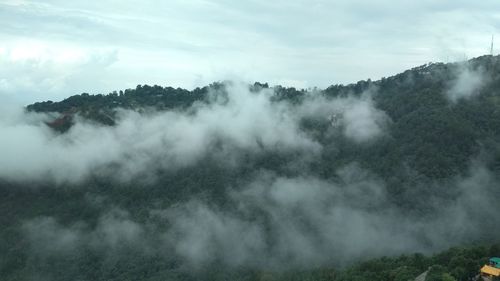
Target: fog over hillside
249 140
244 179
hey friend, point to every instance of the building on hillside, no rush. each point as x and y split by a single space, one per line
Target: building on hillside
495 262
491 271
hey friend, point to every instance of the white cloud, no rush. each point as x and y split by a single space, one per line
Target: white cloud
363 122
467 83
169 140
357 117
237 121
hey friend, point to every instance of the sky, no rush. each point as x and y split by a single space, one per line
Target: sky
53 49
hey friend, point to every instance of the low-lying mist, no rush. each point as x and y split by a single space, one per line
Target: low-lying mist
280 223
288 216
234 121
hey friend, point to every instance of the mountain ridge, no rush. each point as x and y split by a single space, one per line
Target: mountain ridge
249 182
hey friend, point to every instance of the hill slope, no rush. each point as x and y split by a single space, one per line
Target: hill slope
233 180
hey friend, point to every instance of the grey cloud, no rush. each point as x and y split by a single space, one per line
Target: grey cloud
310 222
37 76
48 237
277 222
44 20
200 234
113 231
306 46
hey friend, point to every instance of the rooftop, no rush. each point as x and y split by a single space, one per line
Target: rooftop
489 270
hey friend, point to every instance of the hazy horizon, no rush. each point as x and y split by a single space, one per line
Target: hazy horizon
54 49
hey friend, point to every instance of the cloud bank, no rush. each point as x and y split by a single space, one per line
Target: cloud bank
284 222
269 220
239 120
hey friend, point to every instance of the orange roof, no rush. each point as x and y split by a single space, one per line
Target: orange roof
493 271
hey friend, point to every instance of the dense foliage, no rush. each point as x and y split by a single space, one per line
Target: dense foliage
424 123
431 142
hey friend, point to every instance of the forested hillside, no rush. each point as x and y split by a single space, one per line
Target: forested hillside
366 181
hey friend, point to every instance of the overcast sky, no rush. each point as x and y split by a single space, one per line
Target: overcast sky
56 48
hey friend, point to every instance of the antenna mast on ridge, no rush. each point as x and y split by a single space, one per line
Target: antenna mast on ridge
491 49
